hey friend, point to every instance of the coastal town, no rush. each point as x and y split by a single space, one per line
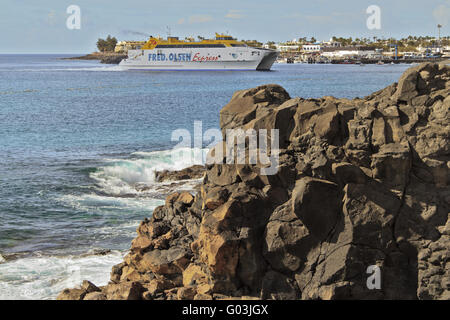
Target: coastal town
362 50
338 50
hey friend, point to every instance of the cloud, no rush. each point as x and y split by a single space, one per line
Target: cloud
199 18
234 14
181 21
442 14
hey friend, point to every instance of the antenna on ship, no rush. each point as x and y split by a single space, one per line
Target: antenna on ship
168 32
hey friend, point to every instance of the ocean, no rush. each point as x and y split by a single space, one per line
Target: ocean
80 139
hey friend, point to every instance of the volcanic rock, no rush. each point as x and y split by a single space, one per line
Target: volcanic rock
359 185
193 172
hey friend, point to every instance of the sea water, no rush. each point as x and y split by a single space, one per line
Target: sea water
78 137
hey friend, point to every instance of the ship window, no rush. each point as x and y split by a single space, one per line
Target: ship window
238 45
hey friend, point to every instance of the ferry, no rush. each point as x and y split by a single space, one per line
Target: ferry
222 53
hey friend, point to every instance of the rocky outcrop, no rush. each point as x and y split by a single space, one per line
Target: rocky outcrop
113 59
360 183
104 57
193 172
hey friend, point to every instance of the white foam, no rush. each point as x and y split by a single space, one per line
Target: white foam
94 203
102 69
44 277
119 177
114 68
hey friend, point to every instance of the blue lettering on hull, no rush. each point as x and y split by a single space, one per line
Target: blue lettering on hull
171 57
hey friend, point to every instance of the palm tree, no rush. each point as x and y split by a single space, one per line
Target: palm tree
439 30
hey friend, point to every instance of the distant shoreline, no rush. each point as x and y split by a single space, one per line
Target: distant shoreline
104 57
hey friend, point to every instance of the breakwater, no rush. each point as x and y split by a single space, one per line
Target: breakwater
104 57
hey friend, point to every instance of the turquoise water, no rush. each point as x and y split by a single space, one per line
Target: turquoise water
77 137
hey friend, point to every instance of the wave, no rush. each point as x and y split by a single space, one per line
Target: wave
43 277
125 189
114 68
102 69
136 176
99 204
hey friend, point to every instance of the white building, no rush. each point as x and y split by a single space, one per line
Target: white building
331 44
124 46
349 52
287 47
446 51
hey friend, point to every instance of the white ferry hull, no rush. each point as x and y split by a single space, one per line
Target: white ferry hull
237 58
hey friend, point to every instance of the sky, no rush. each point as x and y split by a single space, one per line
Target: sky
30 26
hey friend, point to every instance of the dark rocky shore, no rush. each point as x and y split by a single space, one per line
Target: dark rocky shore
104 57
194 172
361 182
